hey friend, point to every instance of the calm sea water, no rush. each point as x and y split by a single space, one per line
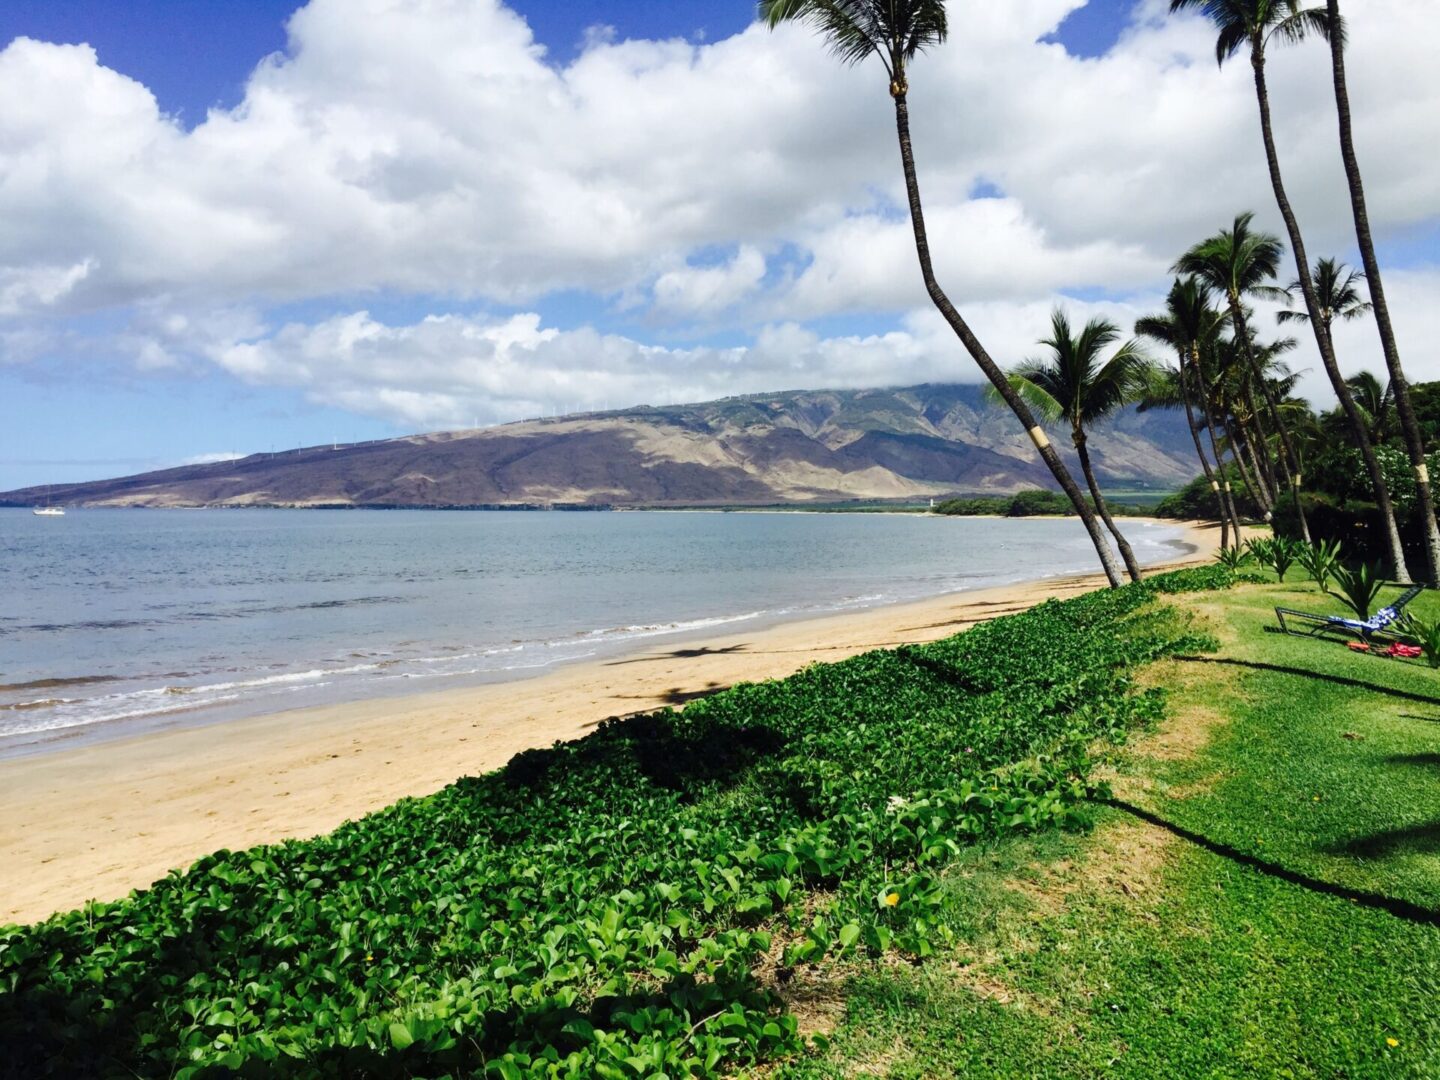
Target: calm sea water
112 621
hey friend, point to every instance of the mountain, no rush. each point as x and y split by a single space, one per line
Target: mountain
795 447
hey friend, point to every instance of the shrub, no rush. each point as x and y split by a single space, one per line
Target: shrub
1232 558
1424 634
1319 561
1359 587
1276 552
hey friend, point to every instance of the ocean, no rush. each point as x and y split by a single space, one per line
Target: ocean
118 621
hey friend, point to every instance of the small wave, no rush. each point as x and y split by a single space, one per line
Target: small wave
276 680
652 629
87 624
42 703
57 683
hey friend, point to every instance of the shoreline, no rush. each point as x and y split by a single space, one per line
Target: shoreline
99 819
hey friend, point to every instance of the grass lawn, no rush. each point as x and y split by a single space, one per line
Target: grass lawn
1262 898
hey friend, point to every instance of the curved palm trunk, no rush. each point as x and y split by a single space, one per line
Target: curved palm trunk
1414 444
1265 495
1258 445
1289 462
1227 509
1210 405
1238 451
1321 329
1398 567
1077 435
977 351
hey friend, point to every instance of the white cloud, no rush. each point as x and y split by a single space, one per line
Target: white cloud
451 370
430 149
710 290
24 290
212 458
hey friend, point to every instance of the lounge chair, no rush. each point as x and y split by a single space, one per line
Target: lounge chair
1365 629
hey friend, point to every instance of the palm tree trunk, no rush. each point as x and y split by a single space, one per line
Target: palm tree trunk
1399 387
1266 493
1238 451
1132 567
1210 405
977 351
1226 509
1321 329
1400 571
1258 444
1289 462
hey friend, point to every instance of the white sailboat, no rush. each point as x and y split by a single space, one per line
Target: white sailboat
47 510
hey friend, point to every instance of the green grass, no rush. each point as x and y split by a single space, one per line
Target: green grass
1290 929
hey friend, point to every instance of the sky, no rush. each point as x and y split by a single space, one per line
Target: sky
227 228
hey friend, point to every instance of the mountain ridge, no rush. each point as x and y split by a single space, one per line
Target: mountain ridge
791 447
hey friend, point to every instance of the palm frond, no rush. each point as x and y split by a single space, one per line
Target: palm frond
1299 23
849 27
1033 391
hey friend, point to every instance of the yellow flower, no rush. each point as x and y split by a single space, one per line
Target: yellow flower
891 899
1392 1042
369 957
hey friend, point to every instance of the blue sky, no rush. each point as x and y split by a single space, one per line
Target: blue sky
134 338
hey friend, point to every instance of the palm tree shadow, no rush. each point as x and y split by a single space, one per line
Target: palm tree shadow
1306 673
681 654
1421 839
1402 909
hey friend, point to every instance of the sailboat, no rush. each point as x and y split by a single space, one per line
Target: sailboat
47 510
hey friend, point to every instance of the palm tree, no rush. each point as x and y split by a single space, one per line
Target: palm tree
1337 289
1256 22
1337 296
1073 384
895 32
1188 324
1374 400
1238 263
1335 31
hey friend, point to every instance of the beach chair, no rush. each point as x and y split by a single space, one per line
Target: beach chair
1365 629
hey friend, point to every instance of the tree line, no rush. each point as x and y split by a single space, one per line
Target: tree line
1233 386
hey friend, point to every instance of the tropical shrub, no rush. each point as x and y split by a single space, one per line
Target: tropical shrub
1425 635
1319 561
600 908
1232 558
1276 552
1359 587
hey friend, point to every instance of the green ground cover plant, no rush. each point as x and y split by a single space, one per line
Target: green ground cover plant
1265 904
602 908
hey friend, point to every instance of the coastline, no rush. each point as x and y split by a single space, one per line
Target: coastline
97 820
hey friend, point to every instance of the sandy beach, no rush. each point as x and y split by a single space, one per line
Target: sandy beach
96 821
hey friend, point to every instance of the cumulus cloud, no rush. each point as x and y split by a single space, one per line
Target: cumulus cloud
431 149
710 290
453 370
